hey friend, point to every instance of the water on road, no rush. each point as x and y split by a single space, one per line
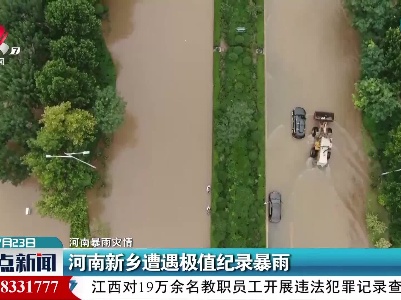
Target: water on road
14 222
160 160
312 61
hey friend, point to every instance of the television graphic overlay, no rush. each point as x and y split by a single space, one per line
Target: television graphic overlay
4 48
32 268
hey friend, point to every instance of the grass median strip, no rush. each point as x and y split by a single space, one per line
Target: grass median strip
238 192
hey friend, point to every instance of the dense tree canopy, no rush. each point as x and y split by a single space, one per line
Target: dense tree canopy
75 18
24 20
57 82
17 125
60 206
392 45
62 61
64 130
372 17
393 149
15 11
377 99
236 121
79 54
373 63
64 181
17 83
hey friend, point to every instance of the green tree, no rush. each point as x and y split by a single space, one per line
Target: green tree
392 54
373 61
17 125
376 226
58 83
64 130
31 40
24 20
79 54
393 148
64 181
15 11
390 191
17 83
63 207
12 170
372 17
377 99
109 110
17 120
75 18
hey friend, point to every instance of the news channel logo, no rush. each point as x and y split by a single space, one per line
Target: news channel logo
4 48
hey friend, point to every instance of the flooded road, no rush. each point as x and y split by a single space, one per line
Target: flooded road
312 61
160 163
14 222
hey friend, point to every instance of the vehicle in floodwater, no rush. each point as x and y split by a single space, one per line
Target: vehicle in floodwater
321 150
298 122
274 202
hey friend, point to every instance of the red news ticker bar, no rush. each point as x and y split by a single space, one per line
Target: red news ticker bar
36 287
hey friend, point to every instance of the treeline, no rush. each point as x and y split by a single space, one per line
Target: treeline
238 188
378 96
58 96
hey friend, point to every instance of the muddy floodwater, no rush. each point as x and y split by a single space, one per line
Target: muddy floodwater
14 222
312 62
160 162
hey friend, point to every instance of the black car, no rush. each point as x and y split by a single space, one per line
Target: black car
298 120
274 207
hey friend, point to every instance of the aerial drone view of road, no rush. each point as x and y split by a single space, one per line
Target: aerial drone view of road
314 66
183 116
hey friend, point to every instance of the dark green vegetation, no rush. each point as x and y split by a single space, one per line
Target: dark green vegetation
378 97
58 95
238 212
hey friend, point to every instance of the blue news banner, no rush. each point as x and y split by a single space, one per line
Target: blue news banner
121 273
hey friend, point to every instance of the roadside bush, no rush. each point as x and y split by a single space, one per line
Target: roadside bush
239 86
381 200
375 225
247 61
239 40
383 243
233 56
253 155
238 50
